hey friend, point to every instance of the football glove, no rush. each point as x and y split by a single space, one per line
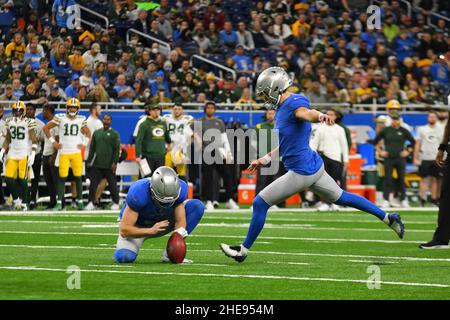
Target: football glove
182 231
31 158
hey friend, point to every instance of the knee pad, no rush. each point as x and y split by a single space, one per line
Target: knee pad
124 256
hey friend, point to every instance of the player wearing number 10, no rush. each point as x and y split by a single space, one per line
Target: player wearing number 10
69 147
22 143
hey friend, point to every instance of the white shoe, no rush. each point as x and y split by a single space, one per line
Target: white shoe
165 259
115 206
274 207
90 206
324 207
334 207
231 205
209 205
18 204
385 204
405 204
216 204
73 205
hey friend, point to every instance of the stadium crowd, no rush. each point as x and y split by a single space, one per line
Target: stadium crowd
325 46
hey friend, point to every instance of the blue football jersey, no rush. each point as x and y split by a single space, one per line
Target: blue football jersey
140 200
294 135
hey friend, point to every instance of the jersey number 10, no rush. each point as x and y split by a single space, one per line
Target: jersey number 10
71 130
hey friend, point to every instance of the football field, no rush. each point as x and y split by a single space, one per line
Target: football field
299 255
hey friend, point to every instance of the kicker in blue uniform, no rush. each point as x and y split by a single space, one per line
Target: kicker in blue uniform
154 207
305 167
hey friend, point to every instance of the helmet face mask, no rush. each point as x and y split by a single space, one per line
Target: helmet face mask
165 187
271 84
19 109
72 103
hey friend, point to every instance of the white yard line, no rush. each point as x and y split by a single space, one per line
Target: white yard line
287 262
305 254
238 276
110 265
223 236
371 261
289 211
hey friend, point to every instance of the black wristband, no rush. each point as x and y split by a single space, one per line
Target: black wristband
442 147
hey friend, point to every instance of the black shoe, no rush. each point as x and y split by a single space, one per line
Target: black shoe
434 244
422 202
32 206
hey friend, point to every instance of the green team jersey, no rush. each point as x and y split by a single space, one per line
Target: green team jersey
105 147
152 138
269 139
394 140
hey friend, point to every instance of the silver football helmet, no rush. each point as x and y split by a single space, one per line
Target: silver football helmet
165 187
271 84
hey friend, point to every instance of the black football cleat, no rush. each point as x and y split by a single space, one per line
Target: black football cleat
434 244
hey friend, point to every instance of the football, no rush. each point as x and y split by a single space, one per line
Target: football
176 248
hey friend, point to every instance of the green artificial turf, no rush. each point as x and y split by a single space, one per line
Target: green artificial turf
299 255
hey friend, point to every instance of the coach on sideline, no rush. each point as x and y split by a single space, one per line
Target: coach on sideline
103 157
441 236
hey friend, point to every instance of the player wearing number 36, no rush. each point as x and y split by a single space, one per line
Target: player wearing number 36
69 147
21 143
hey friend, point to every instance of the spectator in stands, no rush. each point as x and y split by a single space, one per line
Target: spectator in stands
275 41
155 32
33 57
245 37
395 154
15 48
314 94
244 63
213 15
55 93
228 37
184 96
17 87
404 44
60 64
100 71
258 36
164 24
131 9
77 60
93 56
159 81
124 92
7 94
161 97
440 71
6 16
98 94
86 78
428 139
203 42
246 102
60 13
185 44
390 29
72 90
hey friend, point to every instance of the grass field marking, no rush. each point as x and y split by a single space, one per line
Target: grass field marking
216 275
269 220
336 240
110 265
289 211
288 262
303 254
372 262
